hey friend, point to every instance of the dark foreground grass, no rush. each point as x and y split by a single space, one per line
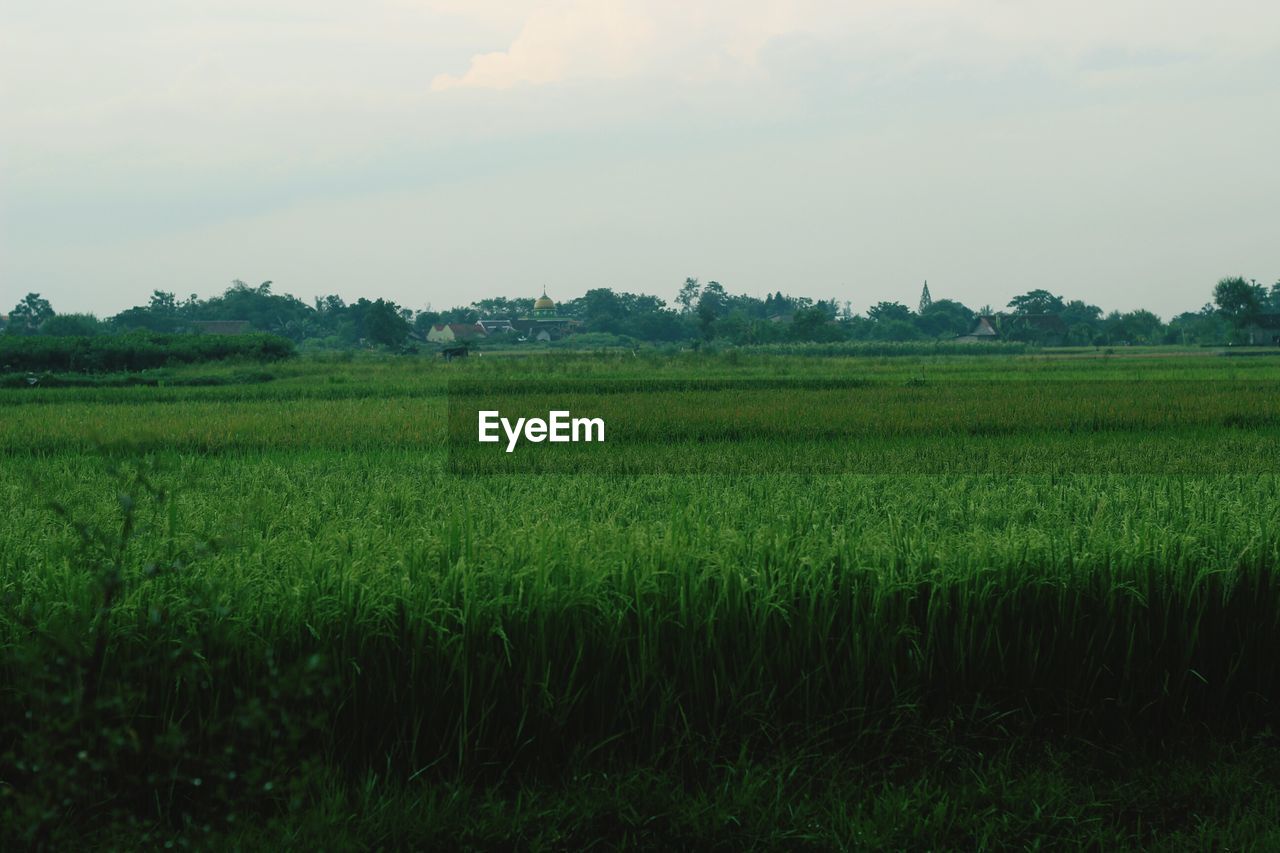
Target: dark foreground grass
936 795
965 801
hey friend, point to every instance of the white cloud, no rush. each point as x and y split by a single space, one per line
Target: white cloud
601 38
608 39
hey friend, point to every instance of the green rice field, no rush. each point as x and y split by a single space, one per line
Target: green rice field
792 602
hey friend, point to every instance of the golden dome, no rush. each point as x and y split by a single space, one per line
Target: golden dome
544 303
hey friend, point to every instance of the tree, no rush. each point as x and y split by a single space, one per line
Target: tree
163 303
71 325
688 297
815 324
602 310
1206 326
1083 322
502 308
711 305
1077 311
383 323
945 318
736 327
29 314
1238 300
1037 302
883 312
1133 327
891 321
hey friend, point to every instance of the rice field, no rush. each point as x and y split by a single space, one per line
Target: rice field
794 602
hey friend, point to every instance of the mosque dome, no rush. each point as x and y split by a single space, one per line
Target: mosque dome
544 303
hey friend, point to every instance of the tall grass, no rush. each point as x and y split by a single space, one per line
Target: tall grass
317 593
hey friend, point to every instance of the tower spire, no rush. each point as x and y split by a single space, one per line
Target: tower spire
925 299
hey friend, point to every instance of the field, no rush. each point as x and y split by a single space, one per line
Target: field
796 601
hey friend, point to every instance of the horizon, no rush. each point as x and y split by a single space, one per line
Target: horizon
909 303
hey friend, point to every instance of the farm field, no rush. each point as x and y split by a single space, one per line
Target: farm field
794 602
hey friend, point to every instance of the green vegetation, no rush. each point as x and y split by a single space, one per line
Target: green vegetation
1242 312
134 351
279 613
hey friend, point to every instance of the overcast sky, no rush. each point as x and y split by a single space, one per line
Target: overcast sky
437 151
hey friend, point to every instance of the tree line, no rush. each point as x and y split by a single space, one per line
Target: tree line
700 312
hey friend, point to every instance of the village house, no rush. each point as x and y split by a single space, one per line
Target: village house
985 330
1264 330
448 333
495 327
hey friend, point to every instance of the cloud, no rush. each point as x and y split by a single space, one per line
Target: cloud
611 39
600 38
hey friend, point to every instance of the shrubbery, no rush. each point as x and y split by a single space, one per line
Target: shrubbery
891 348
134 351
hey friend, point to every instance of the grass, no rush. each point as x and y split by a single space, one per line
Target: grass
316 633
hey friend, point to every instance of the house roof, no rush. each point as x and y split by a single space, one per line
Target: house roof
461 329
984 329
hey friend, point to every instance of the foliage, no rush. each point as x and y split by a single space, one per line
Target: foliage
72 325
134 351
1238 300
701 314
28 315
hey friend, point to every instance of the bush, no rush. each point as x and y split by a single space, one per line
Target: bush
890 348
135 351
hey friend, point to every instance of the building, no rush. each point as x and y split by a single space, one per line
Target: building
495 327
1264 330
985 330
546 324
925 299
448 333
544 306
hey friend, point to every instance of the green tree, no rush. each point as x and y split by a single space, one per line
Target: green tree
29 314
1037 302
816 323
502 308
688 297
72 325
945 318
602 310
711 306
1238 300
163 303
883 312
383 324
1206 326
1133 327
736 326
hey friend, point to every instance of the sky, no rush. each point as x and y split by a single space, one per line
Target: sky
439 151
